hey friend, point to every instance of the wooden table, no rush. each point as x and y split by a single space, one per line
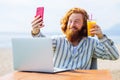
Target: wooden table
69 75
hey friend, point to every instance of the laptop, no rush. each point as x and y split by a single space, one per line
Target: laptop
33 54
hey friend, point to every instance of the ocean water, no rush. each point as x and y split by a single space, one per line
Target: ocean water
6 37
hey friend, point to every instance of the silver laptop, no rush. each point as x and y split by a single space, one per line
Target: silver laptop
33 54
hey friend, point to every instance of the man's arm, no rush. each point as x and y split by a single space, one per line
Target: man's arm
106 49
37 24
38 34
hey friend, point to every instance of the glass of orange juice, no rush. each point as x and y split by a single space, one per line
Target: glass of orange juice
90 24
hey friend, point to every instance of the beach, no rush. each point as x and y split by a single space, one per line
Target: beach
6 64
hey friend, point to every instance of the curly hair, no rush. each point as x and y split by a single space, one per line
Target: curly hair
64 20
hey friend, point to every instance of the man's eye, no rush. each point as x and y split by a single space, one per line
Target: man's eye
77 21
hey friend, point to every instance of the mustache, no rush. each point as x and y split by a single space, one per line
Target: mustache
70 27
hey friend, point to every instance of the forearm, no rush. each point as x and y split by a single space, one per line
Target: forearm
37 24
38 34
108 49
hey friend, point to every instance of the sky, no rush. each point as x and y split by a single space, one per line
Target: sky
17 15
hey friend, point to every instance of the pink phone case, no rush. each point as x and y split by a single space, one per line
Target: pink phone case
40 11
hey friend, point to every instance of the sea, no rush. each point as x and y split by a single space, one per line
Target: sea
6 38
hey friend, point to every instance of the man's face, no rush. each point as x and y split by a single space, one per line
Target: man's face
75 22
74 25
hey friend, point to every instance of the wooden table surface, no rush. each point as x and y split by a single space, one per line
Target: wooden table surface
69 75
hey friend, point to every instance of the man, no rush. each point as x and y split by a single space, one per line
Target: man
75 50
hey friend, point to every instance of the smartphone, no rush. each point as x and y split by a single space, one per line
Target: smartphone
40 11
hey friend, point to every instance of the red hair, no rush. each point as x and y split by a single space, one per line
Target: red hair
65 19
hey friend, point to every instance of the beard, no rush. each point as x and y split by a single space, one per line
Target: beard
73 35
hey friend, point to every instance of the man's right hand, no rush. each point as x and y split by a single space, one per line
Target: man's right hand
37 23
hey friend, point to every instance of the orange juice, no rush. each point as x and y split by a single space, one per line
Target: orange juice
90 24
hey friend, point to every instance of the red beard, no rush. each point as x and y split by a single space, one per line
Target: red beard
73 35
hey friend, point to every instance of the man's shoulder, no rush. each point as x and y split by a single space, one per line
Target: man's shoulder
92 38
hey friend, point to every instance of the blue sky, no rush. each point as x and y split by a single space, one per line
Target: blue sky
16 15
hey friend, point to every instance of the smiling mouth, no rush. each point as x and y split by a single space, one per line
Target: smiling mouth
73 28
